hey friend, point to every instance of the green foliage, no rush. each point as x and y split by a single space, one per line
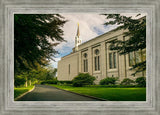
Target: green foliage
65 82
141 81
36 75
127 81
51 73
35 37
108 81
19 80
83 79
54 81
42 73
136 33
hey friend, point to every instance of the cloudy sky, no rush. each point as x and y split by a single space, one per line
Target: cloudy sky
90 25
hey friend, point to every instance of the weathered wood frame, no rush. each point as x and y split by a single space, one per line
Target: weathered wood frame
10 7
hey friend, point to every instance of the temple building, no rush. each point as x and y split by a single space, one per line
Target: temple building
95 58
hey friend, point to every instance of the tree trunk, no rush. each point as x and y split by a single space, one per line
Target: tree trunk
26 82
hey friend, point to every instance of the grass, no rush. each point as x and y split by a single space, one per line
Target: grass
111 94
19 91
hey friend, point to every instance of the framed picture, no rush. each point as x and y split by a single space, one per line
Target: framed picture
149 106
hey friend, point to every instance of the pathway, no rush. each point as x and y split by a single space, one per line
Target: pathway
49 93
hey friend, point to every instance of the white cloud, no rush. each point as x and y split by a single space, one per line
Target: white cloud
91 26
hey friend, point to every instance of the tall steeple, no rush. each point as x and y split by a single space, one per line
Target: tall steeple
78 41
78 33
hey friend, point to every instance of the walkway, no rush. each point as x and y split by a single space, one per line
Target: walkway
49 93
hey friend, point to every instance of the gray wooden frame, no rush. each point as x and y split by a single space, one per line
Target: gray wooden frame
10 7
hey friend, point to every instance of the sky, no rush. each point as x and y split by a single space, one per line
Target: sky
90 26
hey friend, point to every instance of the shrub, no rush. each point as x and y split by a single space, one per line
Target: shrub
65 82
141 81
108 81
83 79
54 81
127 81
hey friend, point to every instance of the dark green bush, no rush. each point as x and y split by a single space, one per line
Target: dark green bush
141 81
127 81
83 79
19 80
54 81
108 81
65 82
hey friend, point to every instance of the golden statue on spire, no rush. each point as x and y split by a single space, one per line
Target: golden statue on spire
78 33
78 41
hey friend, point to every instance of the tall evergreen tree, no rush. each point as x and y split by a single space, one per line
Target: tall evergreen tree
35 36
137 37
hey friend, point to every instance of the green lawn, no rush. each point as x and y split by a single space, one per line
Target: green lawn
111 94
21 90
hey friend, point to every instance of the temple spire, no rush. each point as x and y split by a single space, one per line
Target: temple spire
78 33
78 41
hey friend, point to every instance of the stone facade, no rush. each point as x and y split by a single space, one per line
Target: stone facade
95 58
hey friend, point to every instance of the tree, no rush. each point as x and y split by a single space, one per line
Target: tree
35 76
137 37
53 72
35 36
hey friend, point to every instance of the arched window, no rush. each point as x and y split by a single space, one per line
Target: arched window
96 60
96 51
85 55
69 69
85 62
112 60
